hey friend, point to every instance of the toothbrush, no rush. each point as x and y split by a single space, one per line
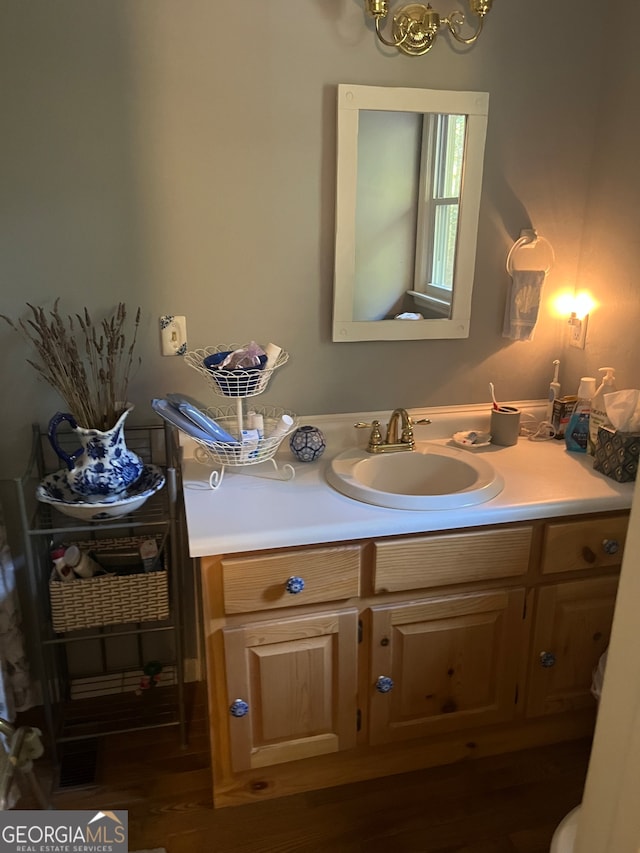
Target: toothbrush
493 397
554 390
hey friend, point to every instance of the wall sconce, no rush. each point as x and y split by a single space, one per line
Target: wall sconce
416 26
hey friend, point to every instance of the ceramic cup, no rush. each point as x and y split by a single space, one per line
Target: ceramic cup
505 425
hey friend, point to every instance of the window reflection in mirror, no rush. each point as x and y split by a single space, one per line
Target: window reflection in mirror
408 195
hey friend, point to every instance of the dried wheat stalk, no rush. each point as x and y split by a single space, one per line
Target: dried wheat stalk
88 365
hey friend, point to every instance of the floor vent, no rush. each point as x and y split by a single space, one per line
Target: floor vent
78 763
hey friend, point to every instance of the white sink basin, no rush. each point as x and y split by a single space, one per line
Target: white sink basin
430 477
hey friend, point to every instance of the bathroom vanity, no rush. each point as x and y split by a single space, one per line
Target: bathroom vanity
347 641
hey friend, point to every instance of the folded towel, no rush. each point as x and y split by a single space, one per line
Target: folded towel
523 304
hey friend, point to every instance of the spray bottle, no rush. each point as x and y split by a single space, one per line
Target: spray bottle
598 416
554 391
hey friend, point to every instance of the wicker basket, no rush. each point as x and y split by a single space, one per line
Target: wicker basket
112 598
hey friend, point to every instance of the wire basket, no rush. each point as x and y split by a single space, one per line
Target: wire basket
232 383
125 593
251 452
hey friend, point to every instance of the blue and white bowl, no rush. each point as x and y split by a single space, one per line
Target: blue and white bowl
54 490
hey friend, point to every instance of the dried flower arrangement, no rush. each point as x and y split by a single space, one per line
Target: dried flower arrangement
88 365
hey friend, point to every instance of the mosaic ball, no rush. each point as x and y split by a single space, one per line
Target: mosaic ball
307 443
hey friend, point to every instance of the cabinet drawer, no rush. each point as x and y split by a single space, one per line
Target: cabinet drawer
261 582
573 546
452 558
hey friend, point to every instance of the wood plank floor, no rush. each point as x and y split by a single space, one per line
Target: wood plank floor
502 804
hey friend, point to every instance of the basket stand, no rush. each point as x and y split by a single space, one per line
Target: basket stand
202 455
238 387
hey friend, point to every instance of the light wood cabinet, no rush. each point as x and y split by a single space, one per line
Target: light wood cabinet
574 546
572 629
290 578
421 562
403 652
291 684
444 663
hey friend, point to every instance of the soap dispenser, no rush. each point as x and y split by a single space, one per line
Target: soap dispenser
598 415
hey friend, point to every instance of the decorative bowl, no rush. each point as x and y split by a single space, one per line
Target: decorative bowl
54 490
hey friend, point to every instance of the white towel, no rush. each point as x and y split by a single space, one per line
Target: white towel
523 304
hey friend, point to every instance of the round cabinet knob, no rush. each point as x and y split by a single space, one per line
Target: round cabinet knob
238 708
384 684
295 585
547 659
588 555
610 546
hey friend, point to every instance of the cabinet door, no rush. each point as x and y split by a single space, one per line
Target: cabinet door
297 680
446 663
572 628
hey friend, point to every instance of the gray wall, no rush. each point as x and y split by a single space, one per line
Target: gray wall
181 157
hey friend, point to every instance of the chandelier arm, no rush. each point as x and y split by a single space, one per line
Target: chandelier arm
455 20
393 43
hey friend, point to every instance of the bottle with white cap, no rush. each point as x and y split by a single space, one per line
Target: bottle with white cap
577 432
282 427
81 563
598 415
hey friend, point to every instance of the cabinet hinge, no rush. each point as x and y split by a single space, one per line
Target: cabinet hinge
517 694
524 608
359 630
358 720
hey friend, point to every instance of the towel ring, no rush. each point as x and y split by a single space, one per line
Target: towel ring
531 239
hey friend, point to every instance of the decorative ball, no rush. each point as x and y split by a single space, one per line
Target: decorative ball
307 443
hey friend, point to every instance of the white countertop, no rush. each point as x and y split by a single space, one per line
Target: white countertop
255 510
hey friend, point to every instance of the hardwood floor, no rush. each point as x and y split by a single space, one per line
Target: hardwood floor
503 804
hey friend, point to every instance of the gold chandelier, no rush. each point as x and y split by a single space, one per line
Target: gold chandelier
416 26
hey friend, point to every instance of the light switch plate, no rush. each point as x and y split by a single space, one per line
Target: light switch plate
173 334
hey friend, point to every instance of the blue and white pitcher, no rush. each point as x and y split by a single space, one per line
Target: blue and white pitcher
102 466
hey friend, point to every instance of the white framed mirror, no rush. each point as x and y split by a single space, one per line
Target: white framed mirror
409 180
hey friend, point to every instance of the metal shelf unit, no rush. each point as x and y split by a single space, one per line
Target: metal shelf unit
116 709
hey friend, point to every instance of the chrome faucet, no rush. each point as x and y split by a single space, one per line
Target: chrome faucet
392 442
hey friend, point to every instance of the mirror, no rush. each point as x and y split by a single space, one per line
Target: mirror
409 179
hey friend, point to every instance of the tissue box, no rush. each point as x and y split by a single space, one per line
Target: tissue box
616 454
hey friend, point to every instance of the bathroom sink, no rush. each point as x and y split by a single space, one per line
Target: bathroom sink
431 477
